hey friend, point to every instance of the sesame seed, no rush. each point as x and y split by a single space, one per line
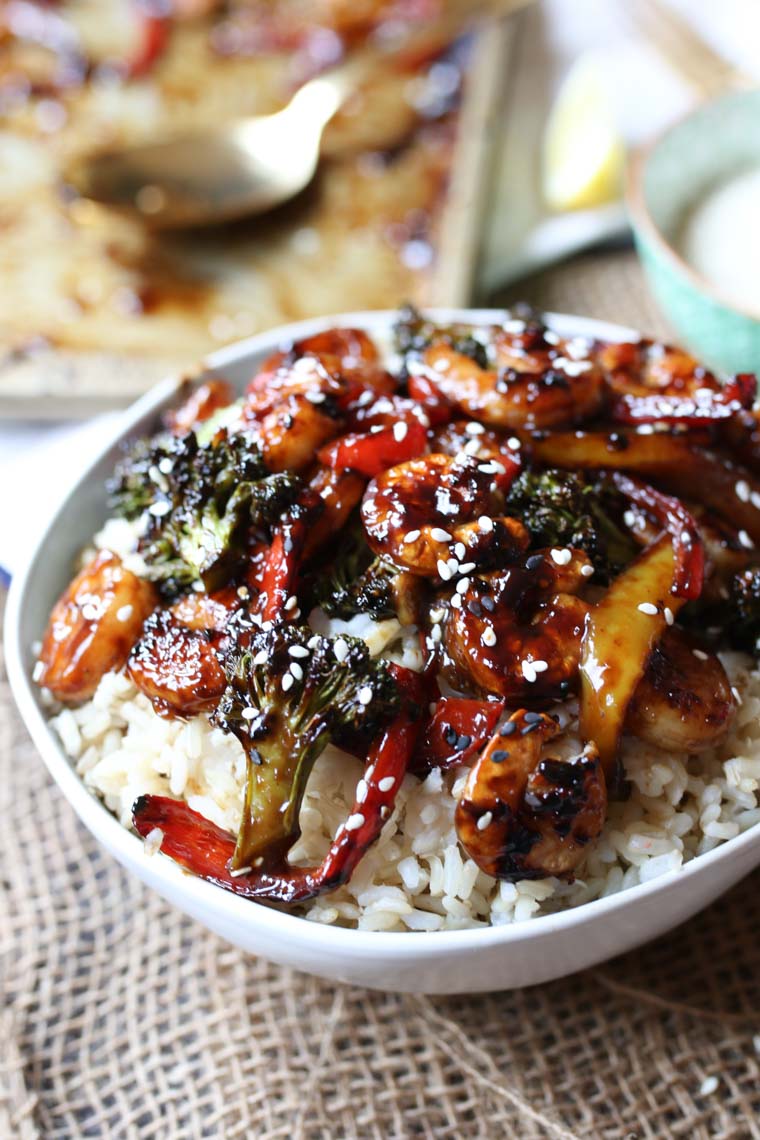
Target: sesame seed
456 601
38 670
742 490
492 468
489 636
737 696
315 396
296 670
466 567
385 811
365 398
561 557
298 651
745 540
629 518
261 657
462 585
166 465
645 429
485 524
453 565
699 654
243 593
514 443
540 666
291 603
376 429
529 671
551 337
485 821
354 822
249 714
460 550
361 791
647 608
411 536
158 510
438 614
287 682
439 535
365 695
755 500
669 619
386 783
240 871
472 447
399 431
499 756
587 571
435 634
443 570
124 613
709 1085
153 840
340 649
686 537
314 641
474 428
535 562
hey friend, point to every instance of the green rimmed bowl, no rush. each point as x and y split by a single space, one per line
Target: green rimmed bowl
718 140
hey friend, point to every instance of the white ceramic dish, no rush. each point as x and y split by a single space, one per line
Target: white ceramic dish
494 958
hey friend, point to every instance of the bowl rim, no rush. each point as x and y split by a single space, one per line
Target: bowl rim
212 901
641 216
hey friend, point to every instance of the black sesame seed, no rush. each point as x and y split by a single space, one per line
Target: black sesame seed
499 756
475 608
508 729
255 756
489 604
533 718
530 728
535 562
451 736
463 742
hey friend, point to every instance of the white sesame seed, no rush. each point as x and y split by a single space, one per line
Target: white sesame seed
158 510
411 536
354 822
485 524
241 871
462 585
399 431
443 570
365 398
453 565
243 593
124 613
435 634
561 557
514 326
261 657
386 783
755 500
166 465
291 603
364 695
514 443
485 821
460 550
315 396
645 429
669 619
287 682
492 468
551 337
153 840
314 641
266 626
587 570
340 649
742 490
296 670
686 537
249 714
90 612
529 671
298 651
38 670
647 608
438 614
361 791
456 601
699 654
737 696
466 567
489 636
473 428
385 811
472 447
376 428
540 666
629 518
745 540
439 535
709 1086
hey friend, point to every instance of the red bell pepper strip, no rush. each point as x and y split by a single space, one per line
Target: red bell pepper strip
696 409
204 849
458 729
679 523
371 453
437 408
280 574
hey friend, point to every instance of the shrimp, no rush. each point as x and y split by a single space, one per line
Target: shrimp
289 434
517 632
532 385
524 817
93 626
471 438
438 515
199 406
176 667
683 703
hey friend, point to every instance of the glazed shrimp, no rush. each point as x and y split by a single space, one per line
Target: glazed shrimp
532 383
437 515
176 667
516 633
683 703
524 817
291 432
92 628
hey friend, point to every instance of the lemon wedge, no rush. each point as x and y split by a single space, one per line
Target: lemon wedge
584 155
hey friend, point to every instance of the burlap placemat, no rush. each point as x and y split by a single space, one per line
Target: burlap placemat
123 1019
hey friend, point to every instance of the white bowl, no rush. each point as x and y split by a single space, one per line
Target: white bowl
493 958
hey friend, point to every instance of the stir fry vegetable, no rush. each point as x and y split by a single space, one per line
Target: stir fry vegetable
544 518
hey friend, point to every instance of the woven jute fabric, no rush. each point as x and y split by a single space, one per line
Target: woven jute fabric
123 1019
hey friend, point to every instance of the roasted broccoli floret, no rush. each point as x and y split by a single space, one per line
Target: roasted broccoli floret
740 617
413 333
200 502
563 508
290 693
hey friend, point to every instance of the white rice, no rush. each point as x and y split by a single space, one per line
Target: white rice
416 877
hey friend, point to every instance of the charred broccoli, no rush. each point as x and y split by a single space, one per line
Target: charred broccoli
741 615
563 508
290 693
200 502
413 333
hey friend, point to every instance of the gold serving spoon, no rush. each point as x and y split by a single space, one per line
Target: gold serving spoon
250 165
